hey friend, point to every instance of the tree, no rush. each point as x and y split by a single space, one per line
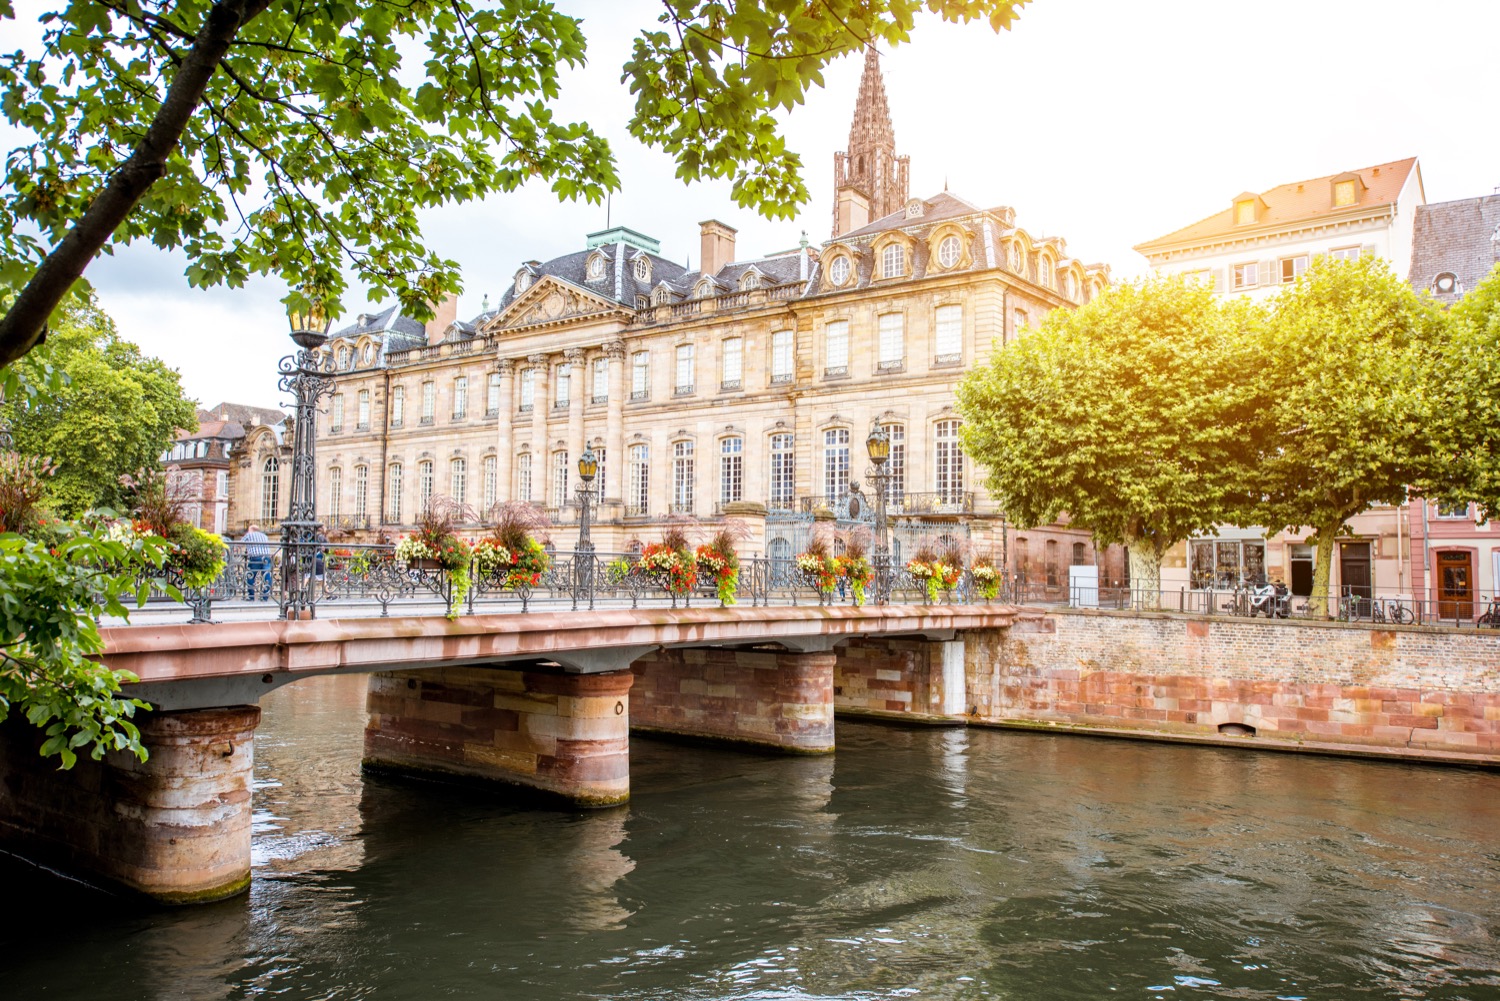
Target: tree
117 413
1467 382
1347 400
289 139
1132 414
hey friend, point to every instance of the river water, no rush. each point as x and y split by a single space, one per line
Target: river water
949 864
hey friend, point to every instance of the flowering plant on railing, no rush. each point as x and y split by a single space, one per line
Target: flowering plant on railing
157 509
986 578
718 557
853 565
675 569
508 567
435 545
820 571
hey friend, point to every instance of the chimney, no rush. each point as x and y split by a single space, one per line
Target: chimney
851 212
443 314
717 248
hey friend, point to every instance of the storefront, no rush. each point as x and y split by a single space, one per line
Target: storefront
1222 563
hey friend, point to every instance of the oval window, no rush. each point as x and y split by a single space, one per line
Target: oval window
948 251
838 271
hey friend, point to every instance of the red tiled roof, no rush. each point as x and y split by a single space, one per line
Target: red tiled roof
1300 201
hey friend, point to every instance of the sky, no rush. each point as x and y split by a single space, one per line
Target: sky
1103 122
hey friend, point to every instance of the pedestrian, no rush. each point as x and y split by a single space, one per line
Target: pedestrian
320 553
258 556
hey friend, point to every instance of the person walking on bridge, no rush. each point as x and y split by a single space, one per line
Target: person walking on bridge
258 554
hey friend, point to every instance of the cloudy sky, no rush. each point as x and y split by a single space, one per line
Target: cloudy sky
1104 122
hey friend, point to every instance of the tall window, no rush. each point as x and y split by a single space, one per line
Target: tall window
1044 271
895 466
398 405
492 400
559 479
950 463
601 456
270 479
601 380
424 484
523 477
893 261
734 363
836 348
221 486
638 488
564 386
640 375
335 491
731 470
458 481
835 462
528 388
948 336
683 382
460 397
782 363
362 422
892 341
361 491
394 490
682 477
429 401
783 472
490 467
1247 275
336 414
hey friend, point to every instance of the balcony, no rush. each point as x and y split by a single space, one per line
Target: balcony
781 379
600 398
426 420
640 395
683 391
459 415
891 367
861 506
347 522
836 372
730 386
947 361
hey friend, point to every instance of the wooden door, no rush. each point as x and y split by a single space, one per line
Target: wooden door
1455 574
1354 571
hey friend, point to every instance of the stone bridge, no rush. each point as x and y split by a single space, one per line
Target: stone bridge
541 702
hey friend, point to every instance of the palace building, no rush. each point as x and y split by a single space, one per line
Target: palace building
745 387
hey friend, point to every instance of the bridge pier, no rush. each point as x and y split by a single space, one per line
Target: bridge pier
777 700
174 828
566 736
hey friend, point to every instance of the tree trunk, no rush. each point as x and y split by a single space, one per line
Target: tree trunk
1318 605
22 326
1145 573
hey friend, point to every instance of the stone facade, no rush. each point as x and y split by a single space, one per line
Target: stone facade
1311 683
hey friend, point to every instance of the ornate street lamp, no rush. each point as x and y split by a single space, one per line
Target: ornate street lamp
583 557
878 445
305 376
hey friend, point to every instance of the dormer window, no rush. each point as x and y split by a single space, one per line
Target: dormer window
750 281
643 268
345 357
1244 212
1070 285
368 354
595 269
703 290
838 270
1017 258
1344 193
1044 271
914 208
660 296
523 281
1445 283
893 261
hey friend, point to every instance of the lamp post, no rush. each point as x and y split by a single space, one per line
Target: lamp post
306 376
878 445
583 556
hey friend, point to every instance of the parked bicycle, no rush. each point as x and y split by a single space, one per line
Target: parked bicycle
1391 610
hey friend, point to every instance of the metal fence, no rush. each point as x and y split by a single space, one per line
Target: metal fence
337 577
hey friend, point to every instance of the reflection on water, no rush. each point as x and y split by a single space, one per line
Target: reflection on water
949 864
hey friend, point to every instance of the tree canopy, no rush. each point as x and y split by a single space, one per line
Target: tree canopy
299 139
118 411
1132 414
1467 384
1347 398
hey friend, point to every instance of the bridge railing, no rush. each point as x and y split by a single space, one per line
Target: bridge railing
329 576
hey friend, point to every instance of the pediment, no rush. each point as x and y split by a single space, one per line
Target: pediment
552 300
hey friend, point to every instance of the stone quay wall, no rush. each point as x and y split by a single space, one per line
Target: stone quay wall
896 676
781 701
1310 682
563 735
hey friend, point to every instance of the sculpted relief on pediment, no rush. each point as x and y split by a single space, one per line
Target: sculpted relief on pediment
549 301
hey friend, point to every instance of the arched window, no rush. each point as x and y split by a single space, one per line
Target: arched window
346 357
1017 258
1044 271
638 490
335 492
490 470
596 267
895 465
643 268
704 290
949 480
1078 554
424 484
838 270
783 473
731 470
750 281
398 405
361 491
523 477
458 480
660 296
270 479
560 479
835 463
394 491
684 472
1051 557
949 251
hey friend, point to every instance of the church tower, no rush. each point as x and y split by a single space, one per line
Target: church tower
869 179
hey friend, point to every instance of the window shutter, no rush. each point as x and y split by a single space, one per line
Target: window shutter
1221 282
1270 274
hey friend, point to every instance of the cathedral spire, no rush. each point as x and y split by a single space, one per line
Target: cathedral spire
869 179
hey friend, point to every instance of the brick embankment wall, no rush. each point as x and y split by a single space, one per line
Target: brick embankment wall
175 828
885 677
1313 683
782 701
565 735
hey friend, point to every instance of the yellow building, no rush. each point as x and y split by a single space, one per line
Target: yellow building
750 381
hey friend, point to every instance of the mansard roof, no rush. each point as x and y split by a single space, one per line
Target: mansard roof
934 210
398 331
618 284
1459 238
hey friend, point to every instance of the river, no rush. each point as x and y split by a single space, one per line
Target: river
930 863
